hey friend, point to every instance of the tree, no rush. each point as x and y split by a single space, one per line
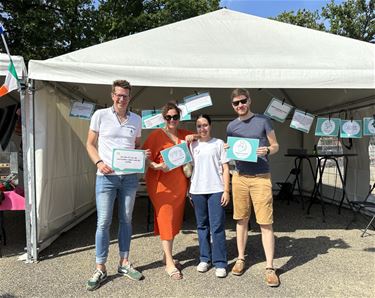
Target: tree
41 29
303 18
353 18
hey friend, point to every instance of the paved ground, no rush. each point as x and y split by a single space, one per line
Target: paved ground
315 259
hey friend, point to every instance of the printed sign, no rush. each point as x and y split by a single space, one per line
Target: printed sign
327 127
176 156
128 161
278 110
242 149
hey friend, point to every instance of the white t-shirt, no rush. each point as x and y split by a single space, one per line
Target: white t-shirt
208 158
113 135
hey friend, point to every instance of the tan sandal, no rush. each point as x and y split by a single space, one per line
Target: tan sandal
174 274
176 262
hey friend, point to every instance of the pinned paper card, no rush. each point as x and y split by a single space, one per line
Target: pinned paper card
82 109
197 101
176 156
185 115
327 127
351 129
302 121
242 149
128 160
278 110
369 126
152 119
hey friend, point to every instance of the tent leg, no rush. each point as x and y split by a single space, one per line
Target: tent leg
27 117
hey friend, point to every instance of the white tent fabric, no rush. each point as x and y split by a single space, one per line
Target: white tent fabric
221 49
217 51
18 62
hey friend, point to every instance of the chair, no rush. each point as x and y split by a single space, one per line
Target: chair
286 188
357 206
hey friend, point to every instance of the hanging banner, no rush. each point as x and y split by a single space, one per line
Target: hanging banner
152 119
185 115
302 121
278 110
81 109
369 126
327 127
197 101
351 129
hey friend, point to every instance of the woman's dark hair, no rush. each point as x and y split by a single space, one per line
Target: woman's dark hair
205 116
170 106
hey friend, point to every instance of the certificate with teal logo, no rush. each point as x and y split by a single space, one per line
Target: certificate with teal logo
176 156
351 129
327 127
128 160
369 126
242 149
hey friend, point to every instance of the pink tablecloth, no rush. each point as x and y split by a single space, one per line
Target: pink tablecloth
14 200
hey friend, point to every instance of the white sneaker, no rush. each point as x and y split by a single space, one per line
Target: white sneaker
220 272
203 267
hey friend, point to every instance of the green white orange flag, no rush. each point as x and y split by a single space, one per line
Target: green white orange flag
11 80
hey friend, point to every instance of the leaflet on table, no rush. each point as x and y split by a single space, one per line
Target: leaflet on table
152 119
302 121
369 126
327 127
185 115
197 101
351 129
82 109
242 149
128 160
278 110
176 156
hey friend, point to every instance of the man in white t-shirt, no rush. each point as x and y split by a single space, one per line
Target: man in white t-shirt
113 128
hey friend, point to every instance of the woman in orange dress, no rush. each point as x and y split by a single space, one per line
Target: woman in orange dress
167 188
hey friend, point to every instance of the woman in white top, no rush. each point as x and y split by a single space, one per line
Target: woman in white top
209 191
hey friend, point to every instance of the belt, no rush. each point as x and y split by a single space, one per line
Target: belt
255 175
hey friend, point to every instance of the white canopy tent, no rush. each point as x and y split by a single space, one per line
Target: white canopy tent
218 51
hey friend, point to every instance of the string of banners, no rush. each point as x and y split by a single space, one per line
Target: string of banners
302 121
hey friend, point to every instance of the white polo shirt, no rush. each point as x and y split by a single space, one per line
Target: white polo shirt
113 135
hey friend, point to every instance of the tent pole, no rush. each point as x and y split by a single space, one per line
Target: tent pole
26 173
28 132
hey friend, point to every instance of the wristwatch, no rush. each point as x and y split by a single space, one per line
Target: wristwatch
268 151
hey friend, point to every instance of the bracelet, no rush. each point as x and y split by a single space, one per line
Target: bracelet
99 161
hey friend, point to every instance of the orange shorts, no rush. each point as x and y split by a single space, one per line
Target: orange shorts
256 191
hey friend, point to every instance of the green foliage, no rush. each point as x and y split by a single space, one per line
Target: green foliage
41 29
353 18
303 18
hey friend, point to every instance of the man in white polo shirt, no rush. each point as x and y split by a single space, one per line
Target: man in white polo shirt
113 128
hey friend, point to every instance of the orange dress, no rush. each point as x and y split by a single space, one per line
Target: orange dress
167 190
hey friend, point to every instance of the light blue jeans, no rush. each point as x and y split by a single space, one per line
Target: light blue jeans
108 188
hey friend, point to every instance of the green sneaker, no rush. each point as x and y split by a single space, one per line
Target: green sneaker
94 282
128 271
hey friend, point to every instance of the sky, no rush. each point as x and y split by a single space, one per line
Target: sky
272 8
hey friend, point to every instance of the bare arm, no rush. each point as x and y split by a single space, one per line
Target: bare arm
273 147
92 150
226 196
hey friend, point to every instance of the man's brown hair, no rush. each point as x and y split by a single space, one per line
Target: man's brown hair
121 83
240 91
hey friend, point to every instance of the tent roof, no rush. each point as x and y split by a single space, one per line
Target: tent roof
19 64
221 49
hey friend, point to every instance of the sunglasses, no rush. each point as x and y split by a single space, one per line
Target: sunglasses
174 117
237 102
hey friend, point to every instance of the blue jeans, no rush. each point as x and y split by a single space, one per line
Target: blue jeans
108 188
210 216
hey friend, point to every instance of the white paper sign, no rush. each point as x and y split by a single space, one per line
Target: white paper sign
302 121
197 102
82 110
154 121
278 110
128 160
